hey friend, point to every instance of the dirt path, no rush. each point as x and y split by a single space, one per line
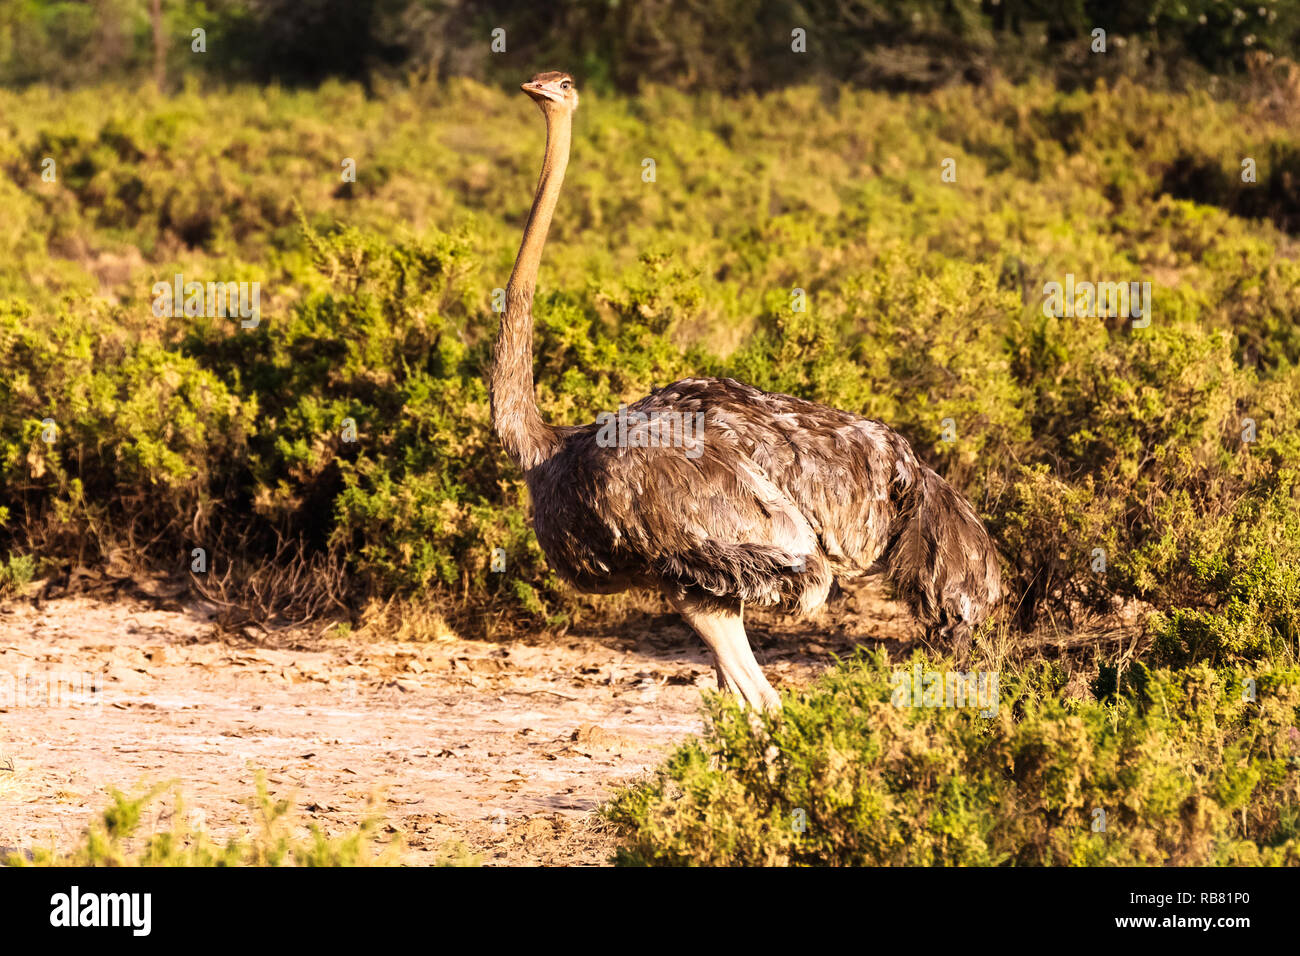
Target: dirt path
506 748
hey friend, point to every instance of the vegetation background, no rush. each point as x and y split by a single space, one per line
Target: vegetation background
1173 448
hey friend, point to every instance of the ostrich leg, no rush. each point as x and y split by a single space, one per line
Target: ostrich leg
723 630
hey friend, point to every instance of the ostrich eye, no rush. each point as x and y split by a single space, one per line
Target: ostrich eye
565 85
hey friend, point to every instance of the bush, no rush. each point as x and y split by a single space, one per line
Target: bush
106 442
731 45
16 572
115 840
1181 768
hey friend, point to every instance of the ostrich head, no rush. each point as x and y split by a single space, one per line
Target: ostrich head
552 91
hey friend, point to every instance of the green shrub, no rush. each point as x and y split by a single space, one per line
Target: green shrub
16 572
100 434
1183 768
732 45
116 840
1152 462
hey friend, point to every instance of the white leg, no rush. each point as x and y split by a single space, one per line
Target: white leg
724 633
722 677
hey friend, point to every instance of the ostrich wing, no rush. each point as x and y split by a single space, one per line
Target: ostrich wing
773 496
834 467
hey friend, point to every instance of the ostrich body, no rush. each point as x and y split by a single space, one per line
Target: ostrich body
767 503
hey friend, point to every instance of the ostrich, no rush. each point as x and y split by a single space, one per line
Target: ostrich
772 500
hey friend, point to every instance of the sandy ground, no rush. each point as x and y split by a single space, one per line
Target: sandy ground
506 748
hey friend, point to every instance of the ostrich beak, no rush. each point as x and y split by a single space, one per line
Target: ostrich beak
536 90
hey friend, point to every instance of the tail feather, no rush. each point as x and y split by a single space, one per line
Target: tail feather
940 556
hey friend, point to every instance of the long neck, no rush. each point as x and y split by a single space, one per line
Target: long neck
527 439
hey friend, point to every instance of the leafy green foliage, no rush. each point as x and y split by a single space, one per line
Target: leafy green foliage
1182 768
16 572
116 840
100 434
731 45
